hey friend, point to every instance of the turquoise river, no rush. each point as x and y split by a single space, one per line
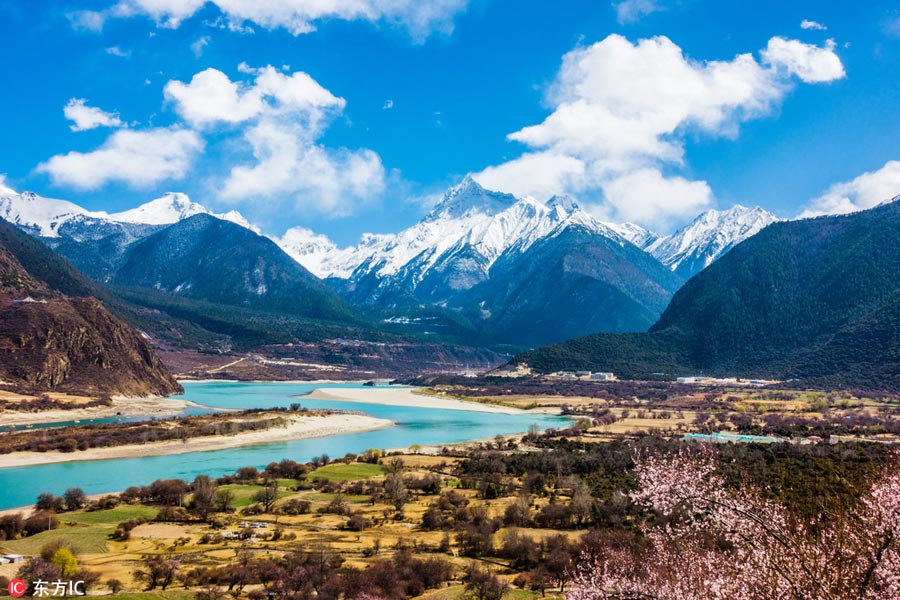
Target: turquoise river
19 486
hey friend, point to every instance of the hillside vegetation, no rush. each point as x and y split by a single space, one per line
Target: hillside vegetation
817 300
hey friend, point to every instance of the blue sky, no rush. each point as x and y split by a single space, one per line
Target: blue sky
646 110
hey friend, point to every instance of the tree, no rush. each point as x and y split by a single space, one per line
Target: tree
169 492
222 500
40 521
49 502
11 526
395 490
720 543
157 572
268 495
74 498
115 586
66 561
204 492
482 585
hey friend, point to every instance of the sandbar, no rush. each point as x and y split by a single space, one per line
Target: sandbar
401 396
298 428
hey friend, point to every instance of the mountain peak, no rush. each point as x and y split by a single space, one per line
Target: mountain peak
696 245
39 215
170 208
563 201
470 197
173 207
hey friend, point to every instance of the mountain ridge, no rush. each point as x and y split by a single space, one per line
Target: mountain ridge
51 341
815 299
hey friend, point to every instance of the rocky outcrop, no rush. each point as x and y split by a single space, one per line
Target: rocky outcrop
53 342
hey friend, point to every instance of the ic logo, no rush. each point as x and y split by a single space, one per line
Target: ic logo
17 588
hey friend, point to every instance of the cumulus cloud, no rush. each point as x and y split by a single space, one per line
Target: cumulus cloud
646 196
811 64
137 158
419 17
629 11
86 117
807 24
865 191
280 117
212 97
620 111
116 51
538 174
312 176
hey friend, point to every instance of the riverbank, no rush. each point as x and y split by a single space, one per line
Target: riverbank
404 397
298 428
150 407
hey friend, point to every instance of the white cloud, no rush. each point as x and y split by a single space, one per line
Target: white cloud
645 196
314 177
807 24
87 20
388 105
865 191
198 46
810 63
167 13
137 158
280 117
116 51
86 117
419 17
5 189
538 174
622 110
629 11
212 97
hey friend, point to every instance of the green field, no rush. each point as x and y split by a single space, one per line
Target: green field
348 472
323 497
87 539
243 494
112 516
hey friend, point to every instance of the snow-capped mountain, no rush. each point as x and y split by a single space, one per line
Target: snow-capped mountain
323 257
517 270
46 216
634 233
699 243
457 241
41 216
173 207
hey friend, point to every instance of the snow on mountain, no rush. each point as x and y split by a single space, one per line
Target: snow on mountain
39 215
45 216
321 256
5 190
699 243
458 240
172 208
634 233
168 209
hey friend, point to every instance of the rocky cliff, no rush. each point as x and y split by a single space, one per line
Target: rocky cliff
53 342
